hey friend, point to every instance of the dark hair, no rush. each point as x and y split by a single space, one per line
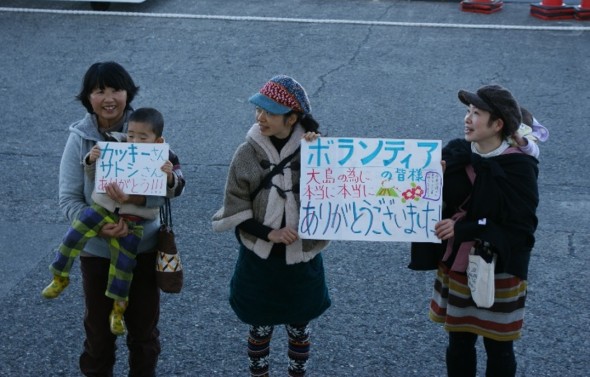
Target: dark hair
149 116
103 74
507 130
509 127
307 121
527 117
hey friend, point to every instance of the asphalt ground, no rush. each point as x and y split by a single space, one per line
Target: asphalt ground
372 69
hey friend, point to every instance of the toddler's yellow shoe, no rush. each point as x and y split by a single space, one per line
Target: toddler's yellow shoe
116 319
57 285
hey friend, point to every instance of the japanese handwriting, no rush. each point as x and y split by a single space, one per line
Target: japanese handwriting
370 189
135 167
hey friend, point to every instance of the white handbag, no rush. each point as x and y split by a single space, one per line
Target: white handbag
480 275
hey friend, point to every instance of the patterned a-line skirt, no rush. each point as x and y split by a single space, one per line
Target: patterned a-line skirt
453 306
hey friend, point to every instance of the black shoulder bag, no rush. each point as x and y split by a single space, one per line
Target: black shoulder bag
169 275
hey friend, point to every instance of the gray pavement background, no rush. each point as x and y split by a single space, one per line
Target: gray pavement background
364 80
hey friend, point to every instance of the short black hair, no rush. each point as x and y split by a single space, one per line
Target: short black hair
103 74
149 116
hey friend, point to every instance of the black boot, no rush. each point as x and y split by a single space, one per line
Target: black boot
501 360
461 355
503 365
461 362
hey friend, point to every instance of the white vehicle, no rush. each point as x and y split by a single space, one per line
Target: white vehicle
105 4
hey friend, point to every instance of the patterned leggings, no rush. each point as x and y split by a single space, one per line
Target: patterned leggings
259 349
123 250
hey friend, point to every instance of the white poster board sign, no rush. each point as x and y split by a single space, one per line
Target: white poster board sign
369 189
135 167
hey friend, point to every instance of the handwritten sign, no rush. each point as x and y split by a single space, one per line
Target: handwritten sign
136 167
370 189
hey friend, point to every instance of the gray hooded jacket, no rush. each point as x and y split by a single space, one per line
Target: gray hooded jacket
75 187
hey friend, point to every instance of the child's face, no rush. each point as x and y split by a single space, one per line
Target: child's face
140 132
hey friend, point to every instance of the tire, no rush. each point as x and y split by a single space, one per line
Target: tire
96 5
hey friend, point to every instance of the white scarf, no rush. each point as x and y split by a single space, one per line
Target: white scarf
496 152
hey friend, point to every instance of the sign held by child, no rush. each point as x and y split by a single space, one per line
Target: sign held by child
135 167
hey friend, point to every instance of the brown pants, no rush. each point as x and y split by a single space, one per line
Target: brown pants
141 318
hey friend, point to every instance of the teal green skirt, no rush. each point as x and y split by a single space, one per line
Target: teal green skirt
269 292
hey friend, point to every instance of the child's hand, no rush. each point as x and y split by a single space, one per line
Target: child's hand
94 154
167 168
310 136
114 192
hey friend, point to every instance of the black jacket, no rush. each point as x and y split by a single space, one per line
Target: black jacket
504 193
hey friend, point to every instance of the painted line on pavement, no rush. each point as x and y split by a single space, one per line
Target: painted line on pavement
296 20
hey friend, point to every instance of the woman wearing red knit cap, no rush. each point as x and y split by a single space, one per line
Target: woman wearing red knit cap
278 278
